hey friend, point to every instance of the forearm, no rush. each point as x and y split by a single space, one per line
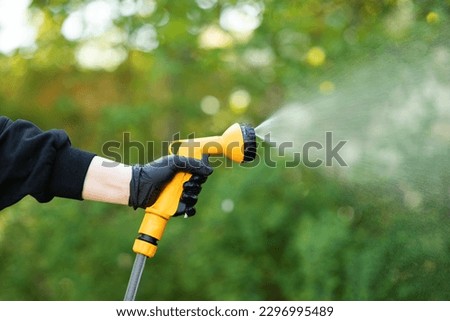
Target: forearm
39 163
107 182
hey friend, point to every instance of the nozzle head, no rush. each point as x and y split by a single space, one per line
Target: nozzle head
237 143
249 139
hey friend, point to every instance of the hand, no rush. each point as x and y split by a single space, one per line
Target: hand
149 180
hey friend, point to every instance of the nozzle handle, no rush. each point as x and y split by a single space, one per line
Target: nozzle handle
157 215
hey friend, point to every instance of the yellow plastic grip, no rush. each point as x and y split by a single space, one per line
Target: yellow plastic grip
157 215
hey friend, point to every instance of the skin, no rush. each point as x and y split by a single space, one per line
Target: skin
107 182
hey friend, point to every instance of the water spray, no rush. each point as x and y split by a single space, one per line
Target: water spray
237 143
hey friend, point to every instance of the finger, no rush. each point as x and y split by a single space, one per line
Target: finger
197 179
192 187
191 165
189 199
190 211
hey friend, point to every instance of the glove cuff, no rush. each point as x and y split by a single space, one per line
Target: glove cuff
134 186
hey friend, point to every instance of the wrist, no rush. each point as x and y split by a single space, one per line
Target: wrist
107 181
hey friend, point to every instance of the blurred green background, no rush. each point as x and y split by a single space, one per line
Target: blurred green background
150 68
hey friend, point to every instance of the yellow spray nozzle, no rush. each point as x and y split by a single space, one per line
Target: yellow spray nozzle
237 143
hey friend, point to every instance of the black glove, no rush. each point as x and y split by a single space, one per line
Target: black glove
149 180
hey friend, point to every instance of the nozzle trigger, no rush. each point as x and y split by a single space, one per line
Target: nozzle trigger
181 209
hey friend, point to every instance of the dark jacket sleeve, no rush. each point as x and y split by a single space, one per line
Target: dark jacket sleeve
39 163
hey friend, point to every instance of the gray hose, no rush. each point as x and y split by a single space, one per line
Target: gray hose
135 277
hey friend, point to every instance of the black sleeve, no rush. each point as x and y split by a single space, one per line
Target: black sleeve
39 163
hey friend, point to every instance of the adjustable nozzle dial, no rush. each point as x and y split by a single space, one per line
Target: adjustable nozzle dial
249 138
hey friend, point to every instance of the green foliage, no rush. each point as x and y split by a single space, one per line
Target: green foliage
260 233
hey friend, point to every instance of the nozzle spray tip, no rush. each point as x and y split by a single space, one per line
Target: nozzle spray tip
249 138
